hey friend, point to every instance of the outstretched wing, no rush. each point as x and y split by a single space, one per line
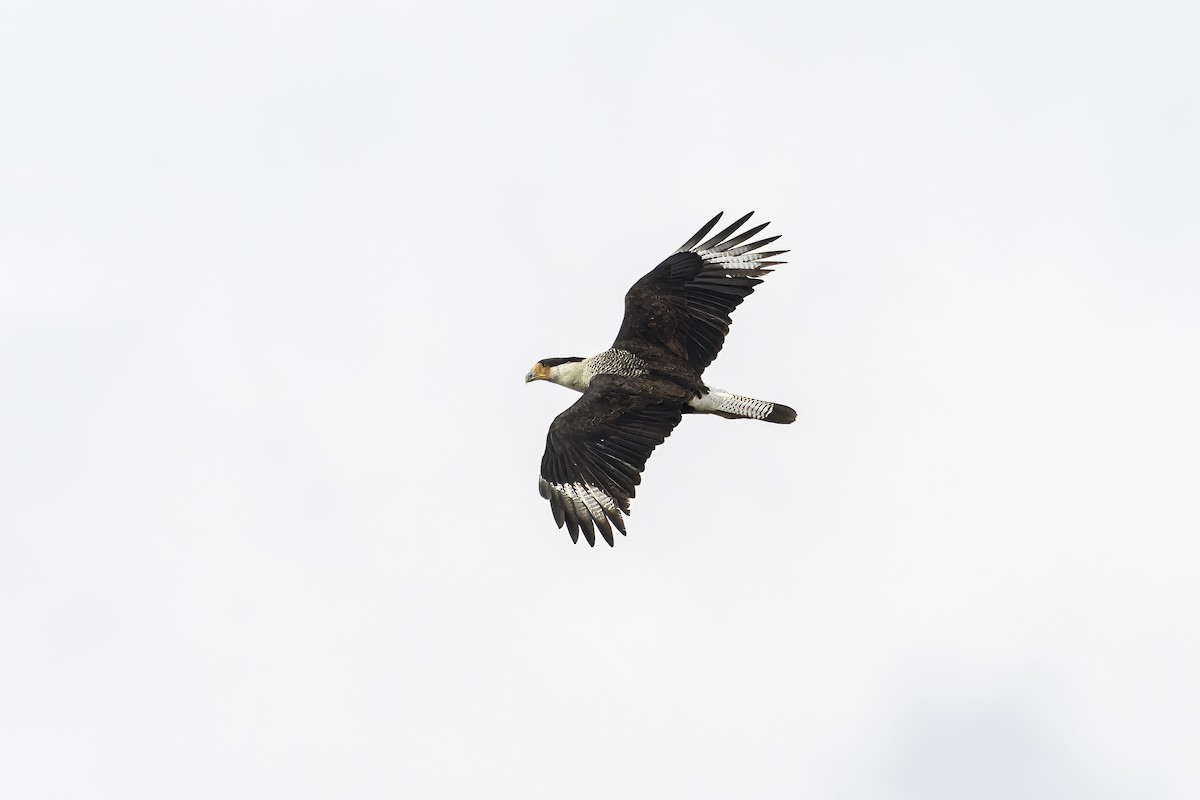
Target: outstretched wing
685 302
596 451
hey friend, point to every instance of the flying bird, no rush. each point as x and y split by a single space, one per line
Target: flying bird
637 391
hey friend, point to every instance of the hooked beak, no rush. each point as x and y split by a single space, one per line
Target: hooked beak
529 376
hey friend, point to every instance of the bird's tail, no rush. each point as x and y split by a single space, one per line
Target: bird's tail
735 406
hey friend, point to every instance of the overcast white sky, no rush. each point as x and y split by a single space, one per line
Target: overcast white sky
271 275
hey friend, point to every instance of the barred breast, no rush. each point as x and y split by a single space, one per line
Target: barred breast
616 362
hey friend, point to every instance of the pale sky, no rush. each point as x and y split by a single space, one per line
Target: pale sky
271 275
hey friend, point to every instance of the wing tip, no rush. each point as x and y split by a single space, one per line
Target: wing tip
700 234
715 241
587 512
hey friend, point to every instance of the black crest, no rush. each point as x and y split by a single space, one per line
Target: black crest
554 362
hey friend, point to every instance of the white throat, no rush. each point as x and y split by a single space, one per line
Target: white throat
573 375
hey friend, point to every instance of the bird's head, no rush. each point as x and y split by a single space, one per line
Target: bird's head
546 369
